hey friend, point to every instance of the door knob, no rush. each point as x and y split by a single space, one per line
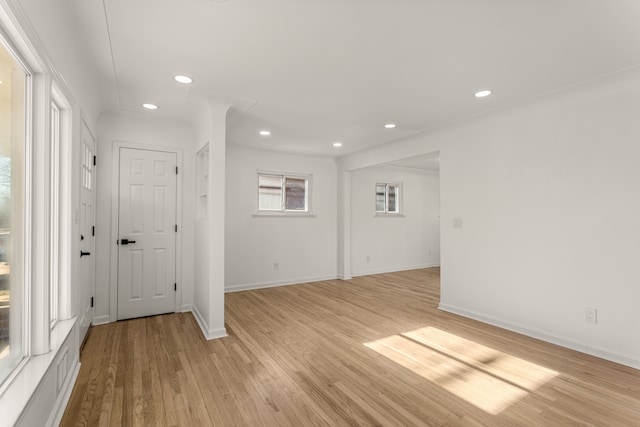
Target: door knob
84 253
126 241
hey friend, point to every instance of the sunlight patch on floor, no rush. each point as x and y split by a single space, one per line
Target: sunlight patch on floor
486 378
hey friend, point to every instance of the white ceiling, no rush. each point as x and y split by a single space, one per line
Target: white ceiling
322 71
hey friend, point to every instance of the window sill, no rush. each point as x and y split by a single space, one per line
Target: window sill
284 214
20 389
389 215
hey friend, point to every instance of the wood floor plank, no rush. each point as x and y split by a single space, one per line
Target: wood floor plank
366 352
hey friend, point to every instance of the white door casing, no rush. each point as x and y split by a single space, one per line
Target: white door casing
147 219
87 231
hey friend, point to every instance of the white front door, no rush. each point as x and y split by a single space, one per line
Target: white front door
147 233
87 231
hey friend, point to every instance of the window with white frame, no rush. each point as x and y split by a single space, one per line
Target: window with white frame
283 193
36 214
388 198
35 210
13 215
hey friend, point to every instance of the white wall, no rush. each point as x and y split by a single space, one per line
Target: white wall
549 199
304 247
141 128
548 194
57 31
395 243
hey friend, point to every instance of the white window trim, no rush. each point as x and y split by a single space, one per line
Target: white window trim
63 194
284 213
400 196
60 218
389 215
54 161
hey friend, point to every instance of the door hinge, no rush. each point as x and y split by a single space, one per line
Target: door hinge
91 301
176 228
93 230
175 286
176 170
94 160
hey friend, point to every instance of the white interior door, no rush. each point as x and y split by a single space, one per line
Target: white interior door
147 233
87 232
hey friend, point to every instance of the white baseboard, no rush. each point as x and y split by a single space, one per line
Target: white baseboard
63 398
553 339
262 285
395 269
101 320
209 334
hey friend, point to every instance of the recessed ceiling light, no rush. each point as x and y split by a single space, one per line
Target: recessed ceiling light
337 144
390 125
183 79
150 106
483 93
265 132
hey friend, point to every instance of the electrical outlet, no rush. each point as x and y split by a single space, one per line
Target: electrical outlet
429 253
591 315
276 266
457 222
368 258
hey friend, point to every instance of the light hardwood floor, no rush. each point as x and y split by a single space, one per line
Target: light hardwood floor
371 351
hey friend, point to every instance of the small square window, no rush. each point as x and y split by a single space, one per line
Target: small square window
283 193
387 198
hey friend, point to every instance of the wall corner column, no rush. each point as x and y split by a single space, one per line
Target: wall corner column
216 216
344 223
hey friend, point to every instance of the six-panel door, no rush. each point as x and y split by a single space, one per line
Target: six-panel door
146 222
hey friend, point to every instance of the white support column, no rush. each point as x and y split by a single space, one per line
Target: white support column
344 224
209 262
216 217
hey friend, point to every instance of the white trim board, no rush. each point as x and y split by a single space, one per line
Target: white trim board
209 334
274 284
533 333
395 269
101 320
